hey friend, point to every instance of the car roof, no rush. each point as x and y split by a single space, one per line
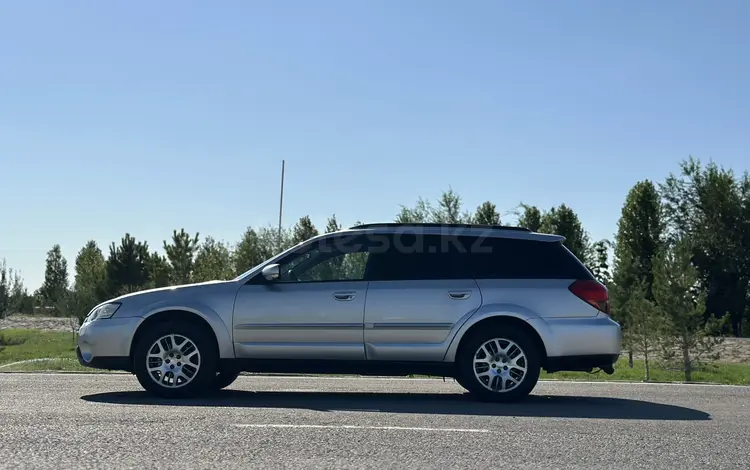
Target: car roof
495 231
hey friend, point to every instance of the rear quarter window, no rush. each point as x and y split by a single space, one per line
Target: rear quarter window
507 258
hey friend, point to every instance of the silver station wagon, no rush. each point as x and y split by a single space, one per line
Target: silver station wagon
490 306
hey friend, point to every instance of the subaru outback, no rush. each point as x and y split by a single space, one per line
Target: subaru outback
490 306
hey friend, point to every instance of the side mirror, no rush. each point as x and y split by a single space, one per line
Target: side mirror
271 272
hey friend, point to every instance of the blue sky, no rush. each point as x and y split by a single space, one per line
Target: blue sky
144 116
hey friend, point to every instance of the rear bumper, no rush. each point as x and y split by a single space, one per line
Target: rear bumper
598 336
579 363
579 344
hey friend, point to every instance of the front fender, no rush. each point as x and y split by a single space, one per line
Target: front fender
220 330
490 311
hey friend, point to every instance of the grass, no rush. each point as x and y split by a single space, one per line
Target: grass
721 373
50 350
55 351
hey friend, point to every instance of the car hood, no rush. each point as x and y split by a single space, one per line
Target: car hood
183 288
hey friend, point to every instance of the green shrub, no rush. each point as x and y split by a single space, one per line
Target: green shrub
8 341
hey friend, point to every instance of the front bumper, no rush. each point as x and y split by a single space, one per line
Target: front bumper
105 344
106 362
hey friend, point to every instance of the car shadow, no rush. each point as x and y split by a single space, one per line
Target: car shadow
549 406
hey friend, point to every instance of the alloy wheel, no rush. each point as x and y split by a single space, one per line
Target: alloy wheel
173 361
500 365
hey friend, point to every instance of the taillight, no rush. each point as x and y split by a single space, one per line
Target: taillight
593 293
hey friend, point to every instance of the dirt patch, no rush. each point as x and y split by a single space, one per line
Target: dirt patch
39 323
735 350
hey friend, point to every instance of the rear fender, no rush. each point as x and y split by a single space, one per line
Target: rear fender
490 311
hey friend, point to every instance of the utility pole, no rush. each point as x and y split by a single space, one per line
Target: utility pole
281 205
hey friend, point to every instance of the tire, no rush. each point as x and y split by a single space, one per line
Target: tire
224 378
460 381
193 378
511 338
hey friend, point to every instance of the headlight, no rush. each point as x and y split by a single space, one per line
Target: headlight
104 311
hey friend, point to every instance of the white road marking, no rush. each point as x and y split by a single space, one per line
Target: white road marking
369 428
29 361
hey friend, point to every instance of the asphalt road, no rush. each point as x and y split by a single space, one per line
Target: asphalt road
106 421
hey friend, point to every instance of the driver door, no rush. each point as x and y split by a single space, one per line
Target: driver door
314 310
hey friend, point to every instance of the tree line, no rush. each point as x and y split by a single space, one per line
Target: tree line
679 277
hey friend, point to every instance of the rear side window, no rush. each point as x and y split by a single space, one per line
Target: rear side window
507 258
412 257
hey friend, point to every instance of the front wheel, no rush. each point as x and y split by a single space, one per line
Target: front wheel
225 377
175 360
500 365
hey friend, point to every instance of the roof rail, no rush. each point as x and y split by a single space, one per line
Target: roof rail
431 225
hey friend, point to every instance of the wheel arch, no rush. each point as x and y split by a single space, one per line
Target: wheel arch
495 321
174 315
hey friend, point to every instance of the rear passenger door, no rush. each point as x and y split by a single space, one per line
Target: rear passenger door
419 290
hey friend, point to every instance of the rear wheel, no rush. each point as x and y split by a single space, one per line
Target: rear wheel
175 360
502 364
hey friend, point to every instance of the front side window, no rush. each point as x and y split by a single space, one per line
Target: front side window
335 259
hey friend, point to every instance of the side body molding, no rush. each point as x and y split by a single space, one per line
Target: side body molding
495 310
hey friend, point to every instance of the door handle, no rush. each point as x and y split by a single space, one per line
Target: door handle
344 295
459 295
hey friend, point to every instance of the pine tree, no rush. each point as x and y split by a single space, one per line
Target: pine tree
562 220
448 210
420 213
181 255
332 225
712 206
159 270
213 261
272 242
646 323
600 262
54 289
531 218
486 214
682 300
90 285
91 270
639 238
248 252
127 266
304 230
5 289
14 298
